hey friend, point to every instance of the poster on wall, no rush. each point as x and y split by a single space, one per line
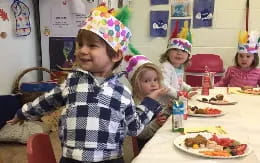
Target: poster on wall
181 8
203 13
81 6
116 3
60 21
181 23
159 23
61 50
22 17
159 2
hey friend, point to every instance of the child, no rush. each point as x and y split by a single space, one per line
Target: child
145 77
174 60
245 71
99 111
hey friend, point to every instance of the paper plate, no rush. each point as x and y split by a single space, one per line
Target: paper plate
218 102
206 115
179 143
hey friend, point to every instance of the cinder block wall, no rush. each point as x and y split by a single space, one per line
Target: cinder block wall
221 38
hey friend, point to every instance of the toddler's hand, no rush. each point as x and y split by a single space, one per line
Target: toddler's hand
15 120
160 119
157 93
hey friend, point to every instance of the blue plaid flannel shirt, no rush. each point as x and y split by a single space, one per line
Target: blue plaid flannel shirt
96 118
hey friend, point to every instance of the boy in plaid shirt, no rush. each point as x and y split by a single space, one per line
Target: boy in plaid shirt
99 110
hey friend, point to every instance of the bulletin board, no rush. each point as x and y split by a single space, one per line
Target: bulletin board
60 21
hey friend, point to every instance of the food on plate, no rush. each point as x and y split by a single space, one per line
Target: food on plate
199 140
205 100
217 100
253 91
207 110
219 97
215 146
212 99
246 87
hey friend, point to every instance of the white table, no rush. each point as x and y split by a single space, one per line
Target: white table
241 121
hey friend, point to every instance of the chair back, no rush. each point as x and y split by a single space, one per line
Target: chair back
39 149
199 62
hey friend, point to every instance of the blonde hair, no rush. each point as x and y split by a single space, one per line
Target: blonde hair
135 81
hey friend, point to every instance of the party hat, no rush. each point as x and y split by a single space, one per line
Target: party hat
181 40
110 25
248 43
132 62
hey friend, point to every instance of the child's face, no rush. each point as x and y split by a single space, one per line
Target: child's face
177 57
245 60
93 57
149 82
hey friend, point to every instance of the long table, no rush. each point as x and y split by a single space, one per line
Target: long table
241 121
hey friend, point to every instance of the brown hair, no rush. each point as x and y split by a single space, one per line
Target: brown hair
254 63
88 36
165 57
135 81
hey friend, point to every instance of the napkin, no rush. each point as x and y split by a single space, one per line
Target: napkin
234 90
210 129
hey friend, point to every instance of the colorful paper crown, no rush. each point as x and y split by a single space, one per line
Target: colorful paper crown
132 63
181 40
110 25
248 43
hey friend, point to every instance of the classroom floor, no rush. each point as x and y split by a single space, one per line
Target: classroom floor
16 153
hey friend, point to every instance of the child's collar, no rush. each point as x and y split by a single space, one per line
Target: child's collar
112 76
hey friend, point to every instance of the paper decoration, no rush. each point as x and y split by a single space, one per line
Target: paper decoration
159 23
21 13
181 8
3 15
61 50
46 31
203 13
159 2
181 24
3 35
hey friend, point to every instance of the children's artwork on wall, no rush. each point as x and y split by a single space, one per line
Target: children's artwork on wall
181 8
3 15
159 23
21 12
181 23
61 50
159 2
203 13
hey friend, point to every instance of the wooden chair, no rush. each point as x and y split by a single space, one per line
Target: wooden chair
39 149
135 146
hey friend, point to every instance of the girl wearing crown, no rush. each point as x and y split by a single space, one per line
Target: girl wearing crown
145 77
245 71
174 60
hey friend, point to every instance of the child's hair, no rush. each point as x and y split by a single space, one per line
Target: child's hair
254 63
135 81
88 36
165 57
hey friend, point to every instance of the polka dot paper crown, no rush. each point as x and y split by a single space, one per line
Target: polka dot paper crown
248 43
110 25
132 63
181 40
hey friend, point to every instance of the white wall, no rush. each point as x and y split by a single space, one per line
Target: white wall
17 53
221 38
